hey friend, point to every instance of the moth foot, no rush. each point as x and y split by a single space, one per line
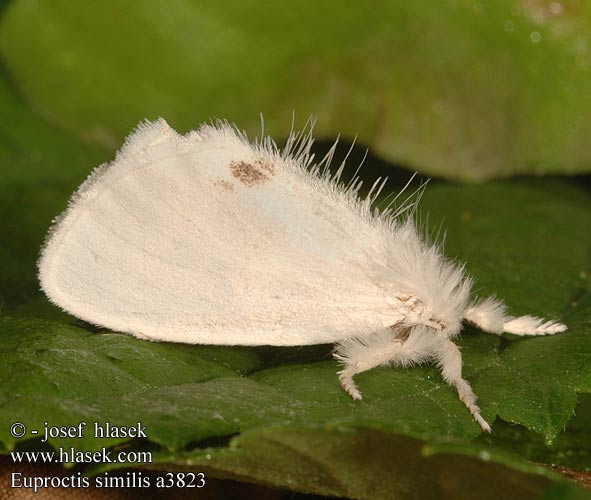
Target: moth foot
483 423
475 411
349 386
468 397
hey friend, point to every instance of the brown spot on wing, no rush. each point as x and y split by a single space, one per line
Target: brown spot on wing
252 173
225 185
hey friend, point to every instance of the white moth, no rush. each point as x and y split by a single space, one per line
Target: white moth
205 238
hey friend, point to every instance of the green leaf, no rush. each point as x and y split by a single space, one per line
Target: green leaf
523 242
571 448
462 89
62 374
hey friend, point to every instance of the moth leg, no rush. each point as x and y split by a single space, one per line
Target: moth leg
491 316
359 354
449 360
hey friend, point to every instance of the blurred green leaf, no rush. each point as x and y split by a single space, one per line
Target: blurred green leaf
39 166
373 464
462 89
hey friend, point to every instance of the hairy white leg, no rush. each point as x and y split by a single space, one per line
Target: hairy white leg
362 354
359 354
491 316
449 360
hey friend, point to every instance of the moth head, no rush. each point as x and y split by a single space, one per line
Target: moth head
443 320
448 329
